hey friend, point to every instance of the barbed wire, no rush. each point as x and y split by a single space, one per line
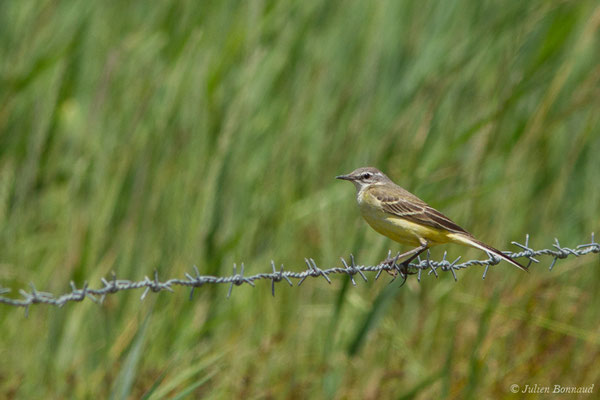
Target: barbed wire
196 280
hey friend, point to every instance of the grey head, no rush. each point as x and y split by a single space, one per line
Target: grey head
365 177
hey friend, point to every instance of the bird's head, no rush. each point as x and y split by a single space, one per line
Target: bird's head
365 177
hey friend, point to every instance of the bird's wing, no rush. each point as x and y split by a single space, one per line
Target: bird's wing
405 205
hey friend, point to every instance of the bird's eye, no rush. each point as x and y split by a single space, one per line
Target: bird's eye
366 175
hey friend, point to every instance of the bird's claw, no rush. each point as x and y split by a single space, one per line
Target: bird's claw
396 268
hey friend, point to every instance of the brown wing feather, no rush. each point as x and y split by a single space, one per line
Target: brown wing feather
406 205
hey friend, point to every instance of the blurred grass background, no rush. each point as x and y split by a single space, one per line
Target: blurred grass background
136 137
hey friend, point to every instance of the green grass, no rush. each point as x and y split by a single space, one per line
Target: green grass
137 137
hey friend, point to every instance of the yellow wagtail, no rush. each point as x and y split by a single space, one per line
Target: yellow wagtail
403 217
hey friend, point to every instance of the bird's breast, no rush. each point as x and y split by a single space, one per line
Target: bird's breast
396 228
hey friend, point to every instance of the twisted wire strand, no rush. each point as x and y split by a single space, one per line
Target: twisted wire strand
351 269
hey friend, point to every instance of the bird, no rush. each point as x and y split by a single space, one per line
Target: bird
403 217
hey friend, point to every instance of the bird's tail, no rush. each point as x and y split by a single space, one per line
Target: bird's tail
471 241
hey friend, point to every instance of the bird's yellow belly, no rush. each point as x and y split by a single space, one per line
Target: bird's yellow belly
400 229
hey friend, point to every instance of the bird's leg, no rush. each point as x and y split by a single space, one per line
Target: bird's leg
411 254
392 261
424 246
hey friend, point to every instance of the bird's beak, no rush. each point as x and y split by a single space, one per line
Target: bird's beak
345 177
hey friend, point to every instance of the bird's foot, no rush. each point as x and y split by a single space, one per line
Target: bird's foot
396 268
393 268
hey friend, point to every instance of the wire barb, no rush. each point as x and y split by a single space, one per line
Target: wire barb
196 280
